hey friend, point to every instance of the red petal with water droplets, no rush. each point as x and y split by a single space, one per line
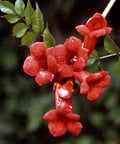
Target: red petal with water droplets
57 128
63 106
38 49
79 64
74 127
96 22
94 93
81 76
83 52
65 70
58 52
66 90
51 115
100 32
52 63
82 29
104 82
44 77
84 88
73 44
30 66
73 117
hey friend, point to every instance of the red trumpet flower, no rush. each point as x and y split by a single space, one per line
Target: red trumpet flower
60 124
94 28
92 84
36 64
70 57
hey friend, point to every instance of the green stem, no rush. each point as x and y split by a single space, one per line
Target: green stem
108 8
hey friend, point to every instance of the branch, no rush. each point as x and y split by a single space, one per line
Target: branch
107 56
108 8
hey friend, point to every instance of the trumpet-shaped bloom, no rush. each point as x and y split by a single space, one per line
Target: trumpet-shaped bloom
60 124
70 57
94 28
92 84
36 64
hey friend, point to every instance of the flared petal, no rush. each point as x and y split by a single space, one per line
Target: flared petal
72 44
104 82
94 93
31 66
94 77
84 88
58 52
100 32
83 52
51 115
81 76
57 128
52 63
38 49
74 127
96 22
44 77
65 71
82 29
73 117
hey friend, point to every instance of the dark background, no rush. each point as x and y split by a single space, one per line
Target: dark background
23 102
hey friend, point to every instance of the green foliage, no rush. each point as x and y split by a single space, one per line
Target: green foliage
19 8
98 119
117 67
29 13
28 39
48 38
110 45
19 30
12 18
7 7
92 58
30 20
38 22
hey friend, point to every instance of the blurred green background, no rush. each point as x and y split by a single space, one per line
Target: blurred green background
23 102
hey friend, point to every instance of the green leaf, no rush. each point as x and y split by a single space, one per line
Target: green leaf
19 7
117 67
38 21
48 38
19 29
92 58
29 12
28 39
11 18
110 45
7 7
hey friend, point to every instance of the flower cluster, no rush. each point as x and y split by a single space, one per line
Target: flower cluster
61 65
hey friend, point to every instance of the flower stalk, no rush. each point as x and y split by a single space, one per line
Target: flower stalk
108 8
108 56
